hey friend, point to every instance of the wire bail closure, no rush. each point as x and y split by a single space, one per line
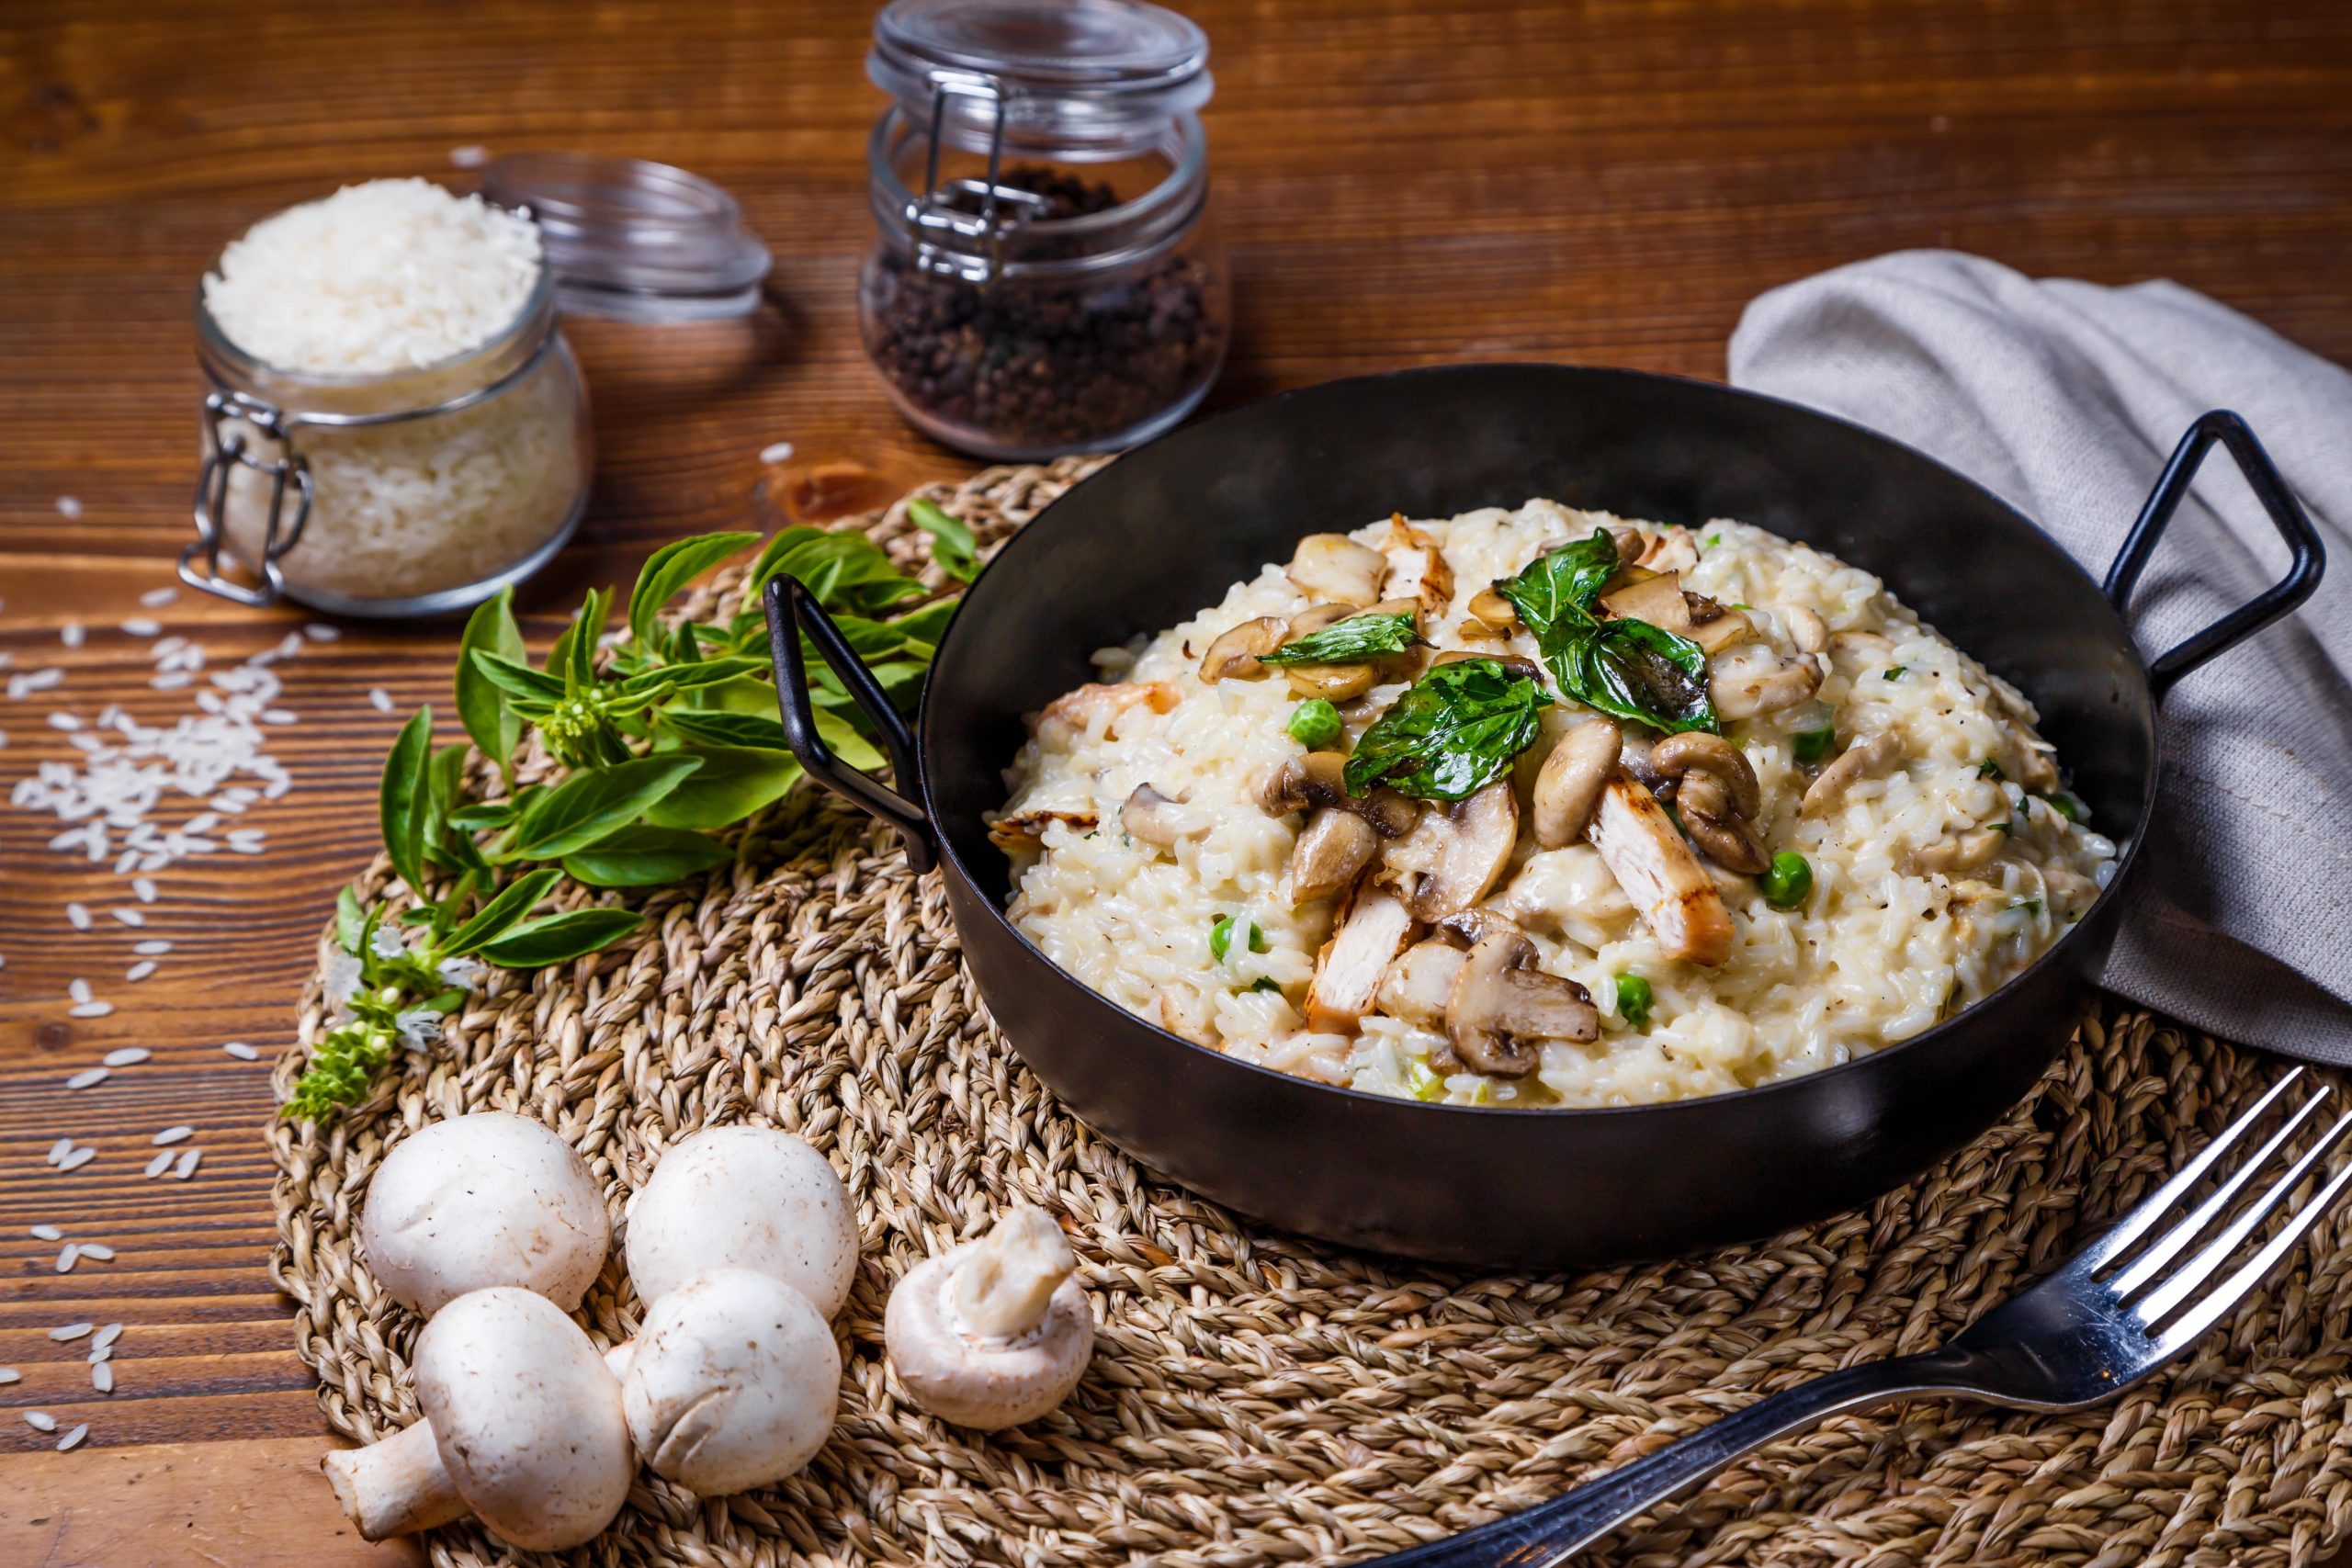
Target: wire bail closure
933 214
228 451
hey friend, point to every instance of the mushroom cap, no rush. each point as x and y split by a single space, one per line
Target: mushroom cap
734 1383
984 1384
490 1199
744 1197
525 1418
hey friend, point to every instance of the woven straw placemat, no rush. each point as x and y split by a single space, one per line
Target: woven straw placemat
1259 1398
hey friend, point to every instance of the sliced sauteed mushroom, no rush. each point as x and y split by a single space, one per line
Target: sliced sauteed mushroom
1957 851
1660 875
2036 771
1341 681
1661 600
1569 787
1234 656
1374 928
1417 568
1717 795
1419 984
1319 778
1156 820
1331 852
1074 713
1456 853
1864 758
1502 1008
1672 550
1472 926
1491 614
1860 646
1807 629
1026 829
1751 681
1332 566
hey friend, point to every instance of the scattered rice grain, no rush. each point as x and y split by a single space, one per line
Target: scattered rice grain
57 1152
67 1255
243 1052
40 1420
72 1331
78 916
71 633
64 721
139 625
468 156
69 506
47 1233
9 1374
159 1165
381 698
78 989
179 1135
129 916
73 1439
187 1167
156 598
141 970
102 1377
90 1010
778 452
106 1336
78 1158
127 1055
88 1077
98 1250
319 631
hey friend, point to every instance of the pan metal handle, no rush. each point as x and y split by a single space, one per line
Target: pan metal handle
2286 514
793 610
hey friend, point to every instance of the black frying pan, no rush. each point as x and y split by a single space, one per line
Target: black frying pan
1164 530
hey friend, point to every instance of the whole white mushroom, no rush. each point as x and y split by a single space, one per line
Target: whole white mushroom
490 1199
744 1197
523 1427
731 1382
995 1332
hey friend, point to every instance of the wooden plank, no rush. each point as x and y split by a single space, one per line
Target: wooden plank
248 1502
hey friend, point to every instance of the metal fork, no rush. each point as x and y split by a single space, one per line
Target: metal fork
2107 1319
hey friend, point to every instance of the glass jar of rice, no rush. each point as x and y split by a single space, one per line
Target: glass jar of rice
395 424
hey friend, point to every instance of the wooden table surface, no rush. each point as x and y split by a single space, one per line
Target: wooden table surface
1606 181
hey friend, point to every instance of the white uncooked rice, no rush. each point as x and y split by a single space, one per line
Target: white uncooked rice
40 1420
88 1077
391 275
141 970
72 1331
127 1056
67 1255
156 598
78 916
106 1336
1877 953
98 1250
188 1161
102 1377
57 1153
399 280
180 1134
243 1052
90 1010
379 699
160 1163
9 1374
78 1158
73 1439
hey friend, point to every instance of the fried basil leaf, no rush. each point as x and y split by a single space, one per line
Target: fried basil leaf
1627 667
1451 734
1355 640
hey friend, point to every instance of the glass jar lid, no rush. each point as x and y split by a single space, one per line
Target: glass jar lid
1084 76
635 241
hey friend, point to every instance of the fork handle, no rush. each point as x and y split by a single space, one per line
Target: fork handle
1552 1532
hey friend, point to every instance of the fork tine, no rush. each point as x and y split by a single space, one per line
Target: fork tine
2230 1291
2134 1224
2161 1251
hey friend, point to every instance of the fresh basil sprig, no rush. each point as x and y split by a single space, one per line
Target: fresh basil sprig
1356 640
663 738
1627 667
1451 734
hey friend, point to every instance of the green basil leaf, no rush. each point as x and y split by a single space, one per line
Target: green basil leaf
952 543
403 799
847 572
512 902
482 707
1563 586
1636 671
350 921
670 569
1451 734
446 778
587 805
557 939
645 857
1356 640
923 627
514 677
705 728
686 677
732 783
573 656
484 814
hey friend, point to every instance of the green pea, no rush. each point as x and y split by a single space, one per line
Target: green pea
1789 881
1315 723
1634 999
1812 744
1221 937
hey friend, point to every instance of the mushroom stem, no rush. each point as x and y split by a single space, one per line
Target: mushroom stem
1002 1288
395 1487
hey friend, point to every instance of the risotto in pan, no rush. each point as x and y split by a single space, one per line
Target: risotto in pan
1545 808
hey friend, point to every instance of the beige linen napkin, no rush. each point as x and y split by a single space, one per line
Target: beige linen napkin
2065 398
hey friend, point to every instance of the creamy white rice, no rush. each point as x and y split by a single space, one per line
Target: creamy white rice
1880 951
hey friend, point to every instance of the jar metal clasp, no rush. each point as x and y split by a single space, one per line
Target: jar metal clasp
933 214
228 451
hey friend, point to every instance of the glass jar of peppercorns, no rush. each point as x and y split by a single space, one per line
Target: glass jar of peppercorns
1047 278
